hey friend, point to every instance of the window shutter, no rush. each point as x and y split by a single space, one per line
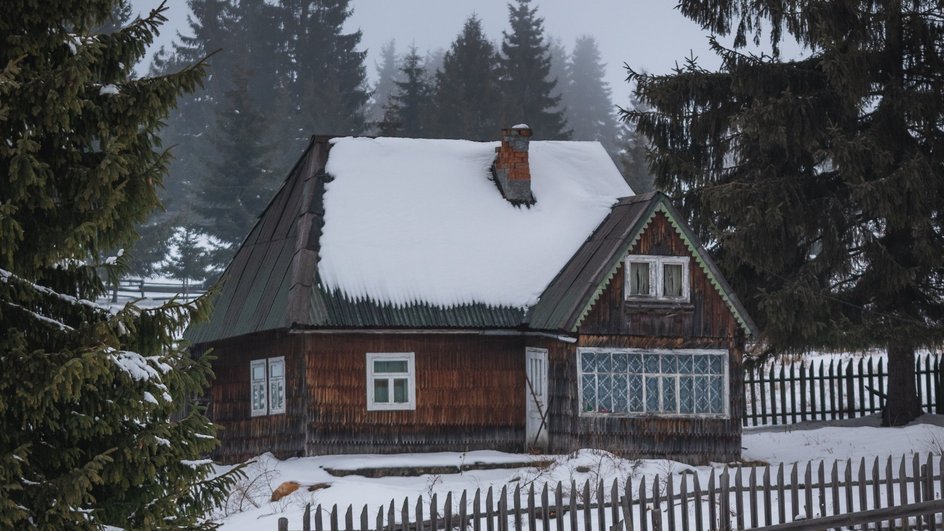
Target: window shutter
258 398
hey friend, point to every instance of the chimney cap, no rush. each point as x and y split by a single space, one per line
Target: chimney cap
521 126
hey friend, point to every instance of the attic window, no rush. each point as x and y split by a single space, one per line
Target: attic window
657 278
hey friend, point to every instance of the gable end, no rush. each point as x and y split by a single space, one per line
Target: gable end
701 258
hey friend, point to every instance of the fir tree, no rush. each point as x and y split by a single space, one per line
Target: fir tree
86 396
466 101
388 73
328 80
559 71
821 179
526 85
408 113
237 182
591 114
188 261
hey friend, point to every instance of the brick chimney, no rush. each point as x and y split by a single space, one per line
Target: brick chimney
511 170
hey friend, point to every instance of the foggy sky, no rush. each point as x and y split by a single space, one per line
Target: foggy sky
646 34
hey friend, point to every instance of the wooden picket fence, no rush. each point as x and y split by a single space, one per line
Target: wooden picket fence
787 393
900 493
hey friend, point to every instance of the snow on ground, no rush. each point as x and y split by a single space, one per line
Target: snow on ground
414 220
251 509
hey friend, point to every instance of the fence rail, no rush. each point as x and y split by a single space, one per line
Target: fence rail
786 393
741 497
159 291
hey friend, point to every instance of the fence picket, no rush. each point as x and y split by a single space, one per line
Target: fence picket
560 507
318 524
586 506
643 519
434 511
628 524
752 488
489 514
503 509
463 514
831 384
657 504
349 517
696 490
684 496
863 496
773 395
418 511
890 490
808 490
794 490
333 518
822 487
876 485
545 510
822 391
477 510
725 509
834 486
531 520
767 507
573 506
669 496
739 498
447 511
380 518
601 507
781 501
614 504
364 525
517 504
712 502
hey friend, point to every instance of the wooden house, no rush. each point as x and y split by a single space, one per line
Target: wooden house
403 295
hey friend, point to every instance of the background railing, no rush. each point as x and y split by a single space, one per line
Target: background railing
791 392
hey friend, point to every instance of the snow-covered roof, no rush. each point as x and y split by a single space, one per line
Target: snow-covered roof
420 221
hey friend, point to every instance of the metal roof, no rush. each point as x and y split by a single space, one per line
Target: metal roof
272 282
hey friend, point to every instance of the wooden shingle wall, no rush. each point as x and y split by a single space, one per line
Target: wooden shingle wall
469 394
705 322
242 436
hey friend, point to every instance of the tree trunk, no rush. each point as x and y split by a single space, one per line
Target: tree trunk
902 404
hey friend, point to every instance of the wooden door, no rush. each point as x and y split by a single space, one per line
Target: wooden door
536 399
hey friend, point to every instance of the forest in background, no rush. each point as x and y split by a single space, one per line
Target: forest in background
279 73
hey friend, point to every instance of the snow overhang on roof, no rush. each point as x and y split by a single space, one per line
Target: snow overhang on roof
420 221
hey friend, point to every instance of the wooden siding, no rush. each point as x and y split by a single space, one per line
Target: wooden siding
243 436
706 315
469 394
690 440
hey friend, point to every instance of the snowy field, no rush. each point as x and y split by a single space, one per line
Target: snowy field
250 508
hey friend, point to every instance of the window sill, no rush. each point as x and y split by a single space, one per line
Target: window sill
659 304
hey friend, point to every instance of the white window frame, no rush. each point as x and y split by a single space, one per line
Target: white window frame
266 381
656 273
273 379
253 382
726 382
410 358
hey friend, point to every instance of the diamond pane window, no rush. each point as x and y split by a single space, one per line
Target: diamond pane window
686 394
651 363
620 395
588 383
652 382
635 394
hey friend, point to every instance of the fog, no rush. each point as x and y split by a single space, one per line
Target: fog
645 34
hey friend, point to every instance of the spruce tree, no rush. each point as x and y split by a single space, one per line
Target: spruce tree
408 114
325 70
236 182
388 73
188 262
466 101
87 396
526 85
591 114
821 179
